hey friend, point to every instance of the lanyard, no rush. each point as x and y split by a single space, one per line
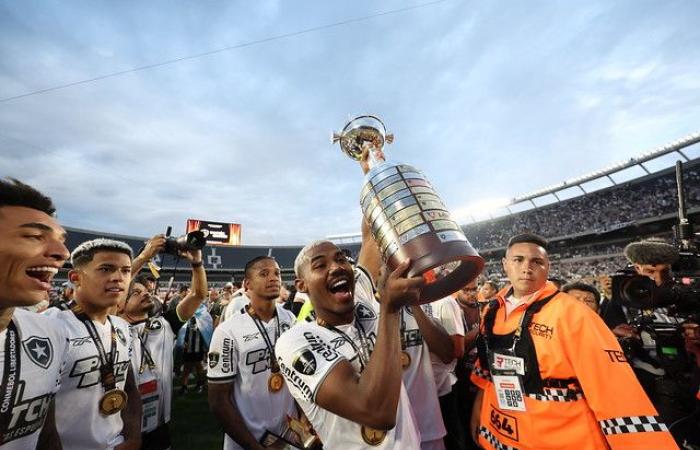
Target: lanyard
363 351
146 358
274 366
10 378
107 378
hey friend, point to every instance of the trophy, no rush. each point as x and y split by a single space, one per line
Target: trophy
406 216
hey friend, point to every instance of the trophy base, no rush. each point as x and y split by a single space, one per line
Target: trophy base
427 252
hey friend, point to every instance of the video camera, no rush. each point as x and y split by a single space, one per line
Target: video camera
194 240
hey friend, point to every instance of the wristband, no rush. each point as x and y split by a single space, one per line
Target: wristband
197 264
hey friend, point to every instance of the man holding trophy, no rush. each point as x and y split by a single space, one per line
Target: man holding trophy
346 368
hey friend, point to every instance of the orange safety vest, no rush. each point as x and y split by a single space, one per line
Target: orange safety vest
586 395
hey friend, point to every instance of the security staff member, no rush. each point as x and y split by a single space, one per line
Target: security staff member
551 373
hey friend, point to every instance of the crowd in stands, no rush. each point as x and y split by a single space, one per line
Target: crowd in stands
595 212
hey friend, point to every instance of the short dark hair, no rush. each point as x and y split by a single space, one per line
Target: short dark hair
581 286
249 265
15 193
85 252
528 238
144 278
493 284
182 288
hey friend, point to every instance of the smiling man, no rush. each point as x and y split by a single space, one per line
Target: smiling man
551 374
99 406
344 369
31 345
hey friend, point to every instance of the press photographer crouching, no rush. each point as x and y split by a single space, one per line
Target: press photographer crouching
654 311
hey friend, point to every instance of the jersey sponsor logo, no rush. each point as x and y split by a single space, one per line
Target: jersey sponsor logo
27 415
413 338
39 350
88 371
503 423
259 360
250 337
321 347
295 380
541 330
227 356
305 362
364 312
213 359
616 356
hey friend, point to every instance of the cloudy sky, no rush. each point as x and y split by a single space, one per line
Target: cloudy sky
490 99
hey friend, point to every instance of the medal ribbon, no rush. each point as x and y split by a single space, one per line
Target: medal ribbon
107 378
146 358
10 377
274 365
363 351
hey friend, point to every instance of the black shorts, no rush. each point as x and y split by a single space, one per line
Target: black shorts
192 357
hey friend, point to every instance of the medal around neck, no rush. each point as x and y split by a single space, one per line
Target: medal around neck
275 382
408 219
113 402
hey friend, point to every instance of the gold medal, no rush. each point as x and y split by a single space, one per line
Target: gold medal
405 360
275 382
112 402
371 436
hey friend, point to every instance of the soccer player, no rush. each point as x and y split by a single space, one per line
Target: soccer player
247 392
344 368
154 341
31 345
98 404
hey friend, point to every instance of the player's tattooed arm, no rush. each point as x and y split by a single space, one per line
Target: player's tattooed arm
48 437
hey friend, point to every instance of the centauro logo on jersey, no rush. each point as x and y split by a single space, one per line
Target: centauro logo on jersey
27 416
88 370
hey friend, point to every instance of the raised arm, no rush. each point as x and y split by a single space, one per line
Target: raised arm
152 248
188 305
371 399
439 342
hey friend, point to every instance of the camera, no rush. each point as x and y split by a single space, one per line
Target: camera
194 240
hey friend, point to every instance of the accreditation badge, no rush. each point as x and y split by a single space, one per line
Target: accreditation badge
150 400
509 392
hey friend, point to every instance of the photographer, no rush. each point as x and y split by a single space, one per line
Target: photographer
647 317
154 340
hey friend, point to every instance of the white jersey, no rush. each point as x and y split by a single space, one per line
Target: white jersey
78 419
41 343
238 354
308 352
234 306
450 315
153 368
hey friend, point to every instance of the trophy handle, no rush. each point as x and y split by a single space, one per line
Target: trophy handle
335 137
389 138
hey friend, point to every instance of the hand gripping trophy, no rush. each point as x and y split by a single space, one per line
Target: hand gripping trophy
407 217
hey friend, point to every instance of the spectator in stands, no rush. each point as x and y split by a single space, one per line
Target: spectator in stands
584 293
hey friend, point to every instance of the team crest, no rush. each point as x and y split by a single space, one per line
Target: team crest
305 362
155 325
213 359
39 350
364 312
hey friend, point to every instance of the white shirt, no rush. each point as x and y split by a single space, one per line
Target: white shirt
512 303
41 344
155 384
308 352
450 315
238 354
234 306
78 419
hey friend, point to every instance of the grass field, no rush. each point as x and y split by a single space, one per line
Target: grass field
192 426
